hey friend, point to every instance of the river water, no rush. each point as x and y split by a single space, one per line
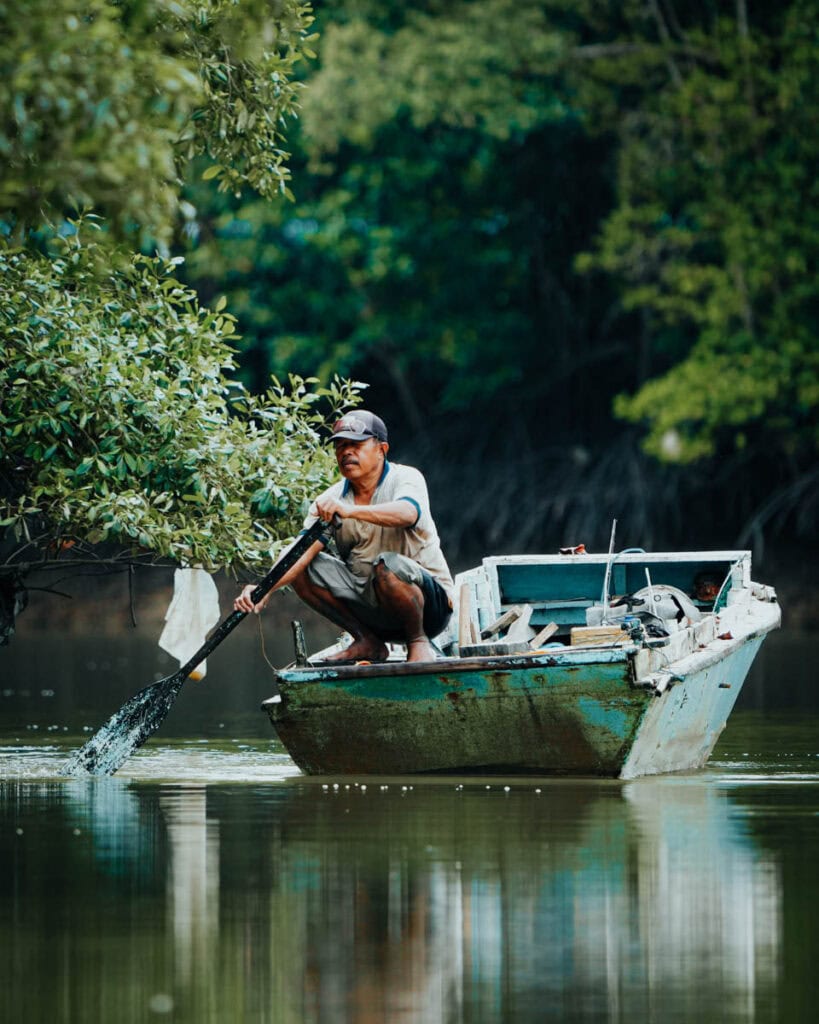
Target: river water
209 881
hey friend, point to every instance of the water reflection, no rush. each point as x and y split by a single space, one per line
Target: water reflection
714 902
293 902
607 903
193 877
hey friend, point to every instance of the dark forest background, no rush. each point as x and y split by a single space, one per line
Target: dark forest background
571 249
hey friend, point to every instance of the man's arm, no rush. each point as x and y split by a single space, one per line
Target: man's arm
243 602
402 513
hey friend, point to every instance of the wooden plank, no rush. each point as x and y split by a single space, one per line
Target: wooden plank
545 634
589 636
467 634
505 620
494 647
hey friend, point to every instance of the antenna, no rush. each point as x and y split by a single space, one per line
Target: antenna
651 606
607 578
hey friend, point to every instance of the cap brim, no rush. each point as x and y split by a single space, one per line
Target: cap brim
348 435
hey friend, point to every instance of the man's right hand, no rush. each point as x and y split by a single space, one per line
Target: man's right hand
328 509
243 602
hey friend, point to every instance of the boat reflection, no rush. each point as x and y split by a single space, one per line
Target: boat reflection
439 903
448 901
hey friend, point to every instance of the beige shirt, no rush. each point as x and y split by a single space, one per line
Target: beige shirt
359 544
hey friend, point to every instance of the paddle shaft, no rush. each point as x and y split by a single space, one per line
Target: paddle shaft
284 564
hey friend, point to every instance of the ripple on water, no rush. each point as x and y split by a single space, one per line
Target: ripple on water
185 761
767 778
749 769
241 760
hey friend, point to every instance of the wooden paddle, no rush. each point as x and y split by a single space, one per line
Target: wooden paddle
138 719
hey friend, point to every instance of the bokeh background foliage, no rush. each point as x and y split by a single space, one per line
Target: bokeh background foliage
569 245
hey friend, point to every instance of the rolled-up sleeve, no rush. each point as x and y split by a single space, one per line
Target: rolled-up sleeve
413 488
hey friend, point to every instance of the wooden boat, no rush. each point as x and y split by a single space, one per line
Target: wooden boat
619 666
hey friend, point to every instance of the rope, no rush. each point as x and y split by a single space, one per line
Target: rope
264 652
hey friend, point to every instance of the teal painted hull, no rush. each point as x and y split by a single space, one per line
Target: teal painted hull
500 718
642 704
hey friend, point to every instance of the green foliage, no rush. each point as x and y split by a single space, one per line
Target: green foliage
715 235
119 424
101 105
443 182
486 66
122 432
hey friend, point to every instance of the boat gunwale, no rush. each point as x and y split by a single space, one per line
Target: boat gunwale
491 662
629 556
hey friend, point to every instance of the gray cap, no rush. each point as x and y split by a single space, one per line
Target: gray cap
358 425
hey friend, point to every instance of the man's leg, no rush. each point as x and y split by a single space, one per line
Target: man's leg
405 602
366 645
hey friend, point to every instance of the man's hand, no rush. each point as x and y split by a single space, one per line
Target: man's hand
244 604
327 508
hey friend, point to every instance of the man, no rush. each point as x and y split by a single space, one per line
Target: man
391 581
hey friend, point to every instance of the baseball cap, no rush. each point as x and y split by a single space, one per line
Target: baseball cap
358 426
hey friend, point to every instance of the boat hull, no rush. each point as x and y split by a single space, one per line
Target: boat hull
553 716
616 702
485 718
681 728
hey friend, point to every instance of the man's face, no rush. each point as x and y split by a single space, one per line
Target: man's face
357 459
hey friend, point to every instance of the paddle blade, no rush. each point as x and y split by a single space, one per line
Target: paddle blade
125 732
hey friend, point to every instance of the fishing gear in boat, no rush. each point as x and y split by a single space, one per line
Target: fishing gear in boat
140 717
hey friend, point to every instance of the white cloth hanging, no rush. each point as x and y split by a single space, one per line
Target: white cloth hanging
193 611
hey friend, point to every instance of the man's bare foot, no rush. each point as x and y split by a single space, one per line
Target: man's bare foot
420 650
359 650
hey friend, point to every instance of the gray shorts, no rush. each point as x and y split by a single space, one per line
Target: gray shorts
358 592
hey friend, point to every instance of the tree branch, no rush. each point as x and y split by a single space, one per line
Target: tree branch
384 355
50 564
607 51
665 38
671 16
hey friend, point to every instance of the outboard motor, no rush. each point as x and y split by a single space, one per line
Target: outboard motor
663 609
